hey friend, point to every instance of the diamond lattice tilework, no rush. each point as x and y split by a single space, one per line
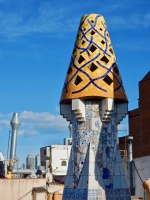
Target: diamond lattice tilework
93 70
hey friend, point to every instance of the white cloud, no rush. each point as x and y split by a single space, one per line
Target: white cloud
33 123
48 18
133 21
27 132
4 123
59 19
43 122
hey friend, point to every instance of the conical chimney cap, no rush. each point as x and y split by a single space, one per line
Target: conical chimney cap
93 72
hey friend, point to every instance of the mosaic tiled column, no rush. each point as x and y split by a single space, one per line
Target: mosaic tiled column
94 101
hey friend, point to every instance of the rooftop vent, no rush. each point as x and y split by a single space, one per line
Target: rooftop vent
93 67
108 80
92 32
105 59
102 42
78 80
81 59
111 51
83 42
92 48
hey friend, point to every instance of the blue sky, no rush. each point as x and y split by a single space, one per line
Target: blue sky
36 42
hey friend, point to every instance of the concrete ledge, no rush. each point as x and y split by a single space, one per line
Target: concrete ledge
19 189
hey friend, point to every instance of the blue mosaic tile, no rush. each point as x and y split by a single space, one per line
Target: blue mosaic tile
104 146
110 194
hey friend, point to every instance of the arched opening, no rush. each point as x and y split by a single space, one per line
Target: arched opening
63 163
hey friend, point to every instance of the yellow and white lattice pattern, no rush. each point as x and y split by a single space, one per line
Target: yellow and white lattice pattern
93 71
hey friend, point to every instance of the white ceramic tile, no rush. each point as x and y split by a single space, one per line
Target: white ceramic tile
101 184
95 124
104 164
107 182
70 158
97 171
109 143
109 128
70 169
118 157
85 170
110 160
112 143
83 182
117 182
69 182
121 169
78 158
117 169
92 169
80 125
91 155
93 183
124 182
104 157
109 165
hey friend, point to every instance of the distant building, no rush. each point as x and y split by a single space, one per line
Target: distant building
37 161
1 156
139 128
56 157
30 162
45 156
139 122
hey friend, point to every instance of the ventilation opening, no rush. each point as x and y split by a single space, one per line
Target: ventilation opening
84 29
92 48
83 42
74 51
78 80
81 59
107 80
116 69
93 67
105 59
69 70
92 32
102 42
100 29
92 21
111 51
63 163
